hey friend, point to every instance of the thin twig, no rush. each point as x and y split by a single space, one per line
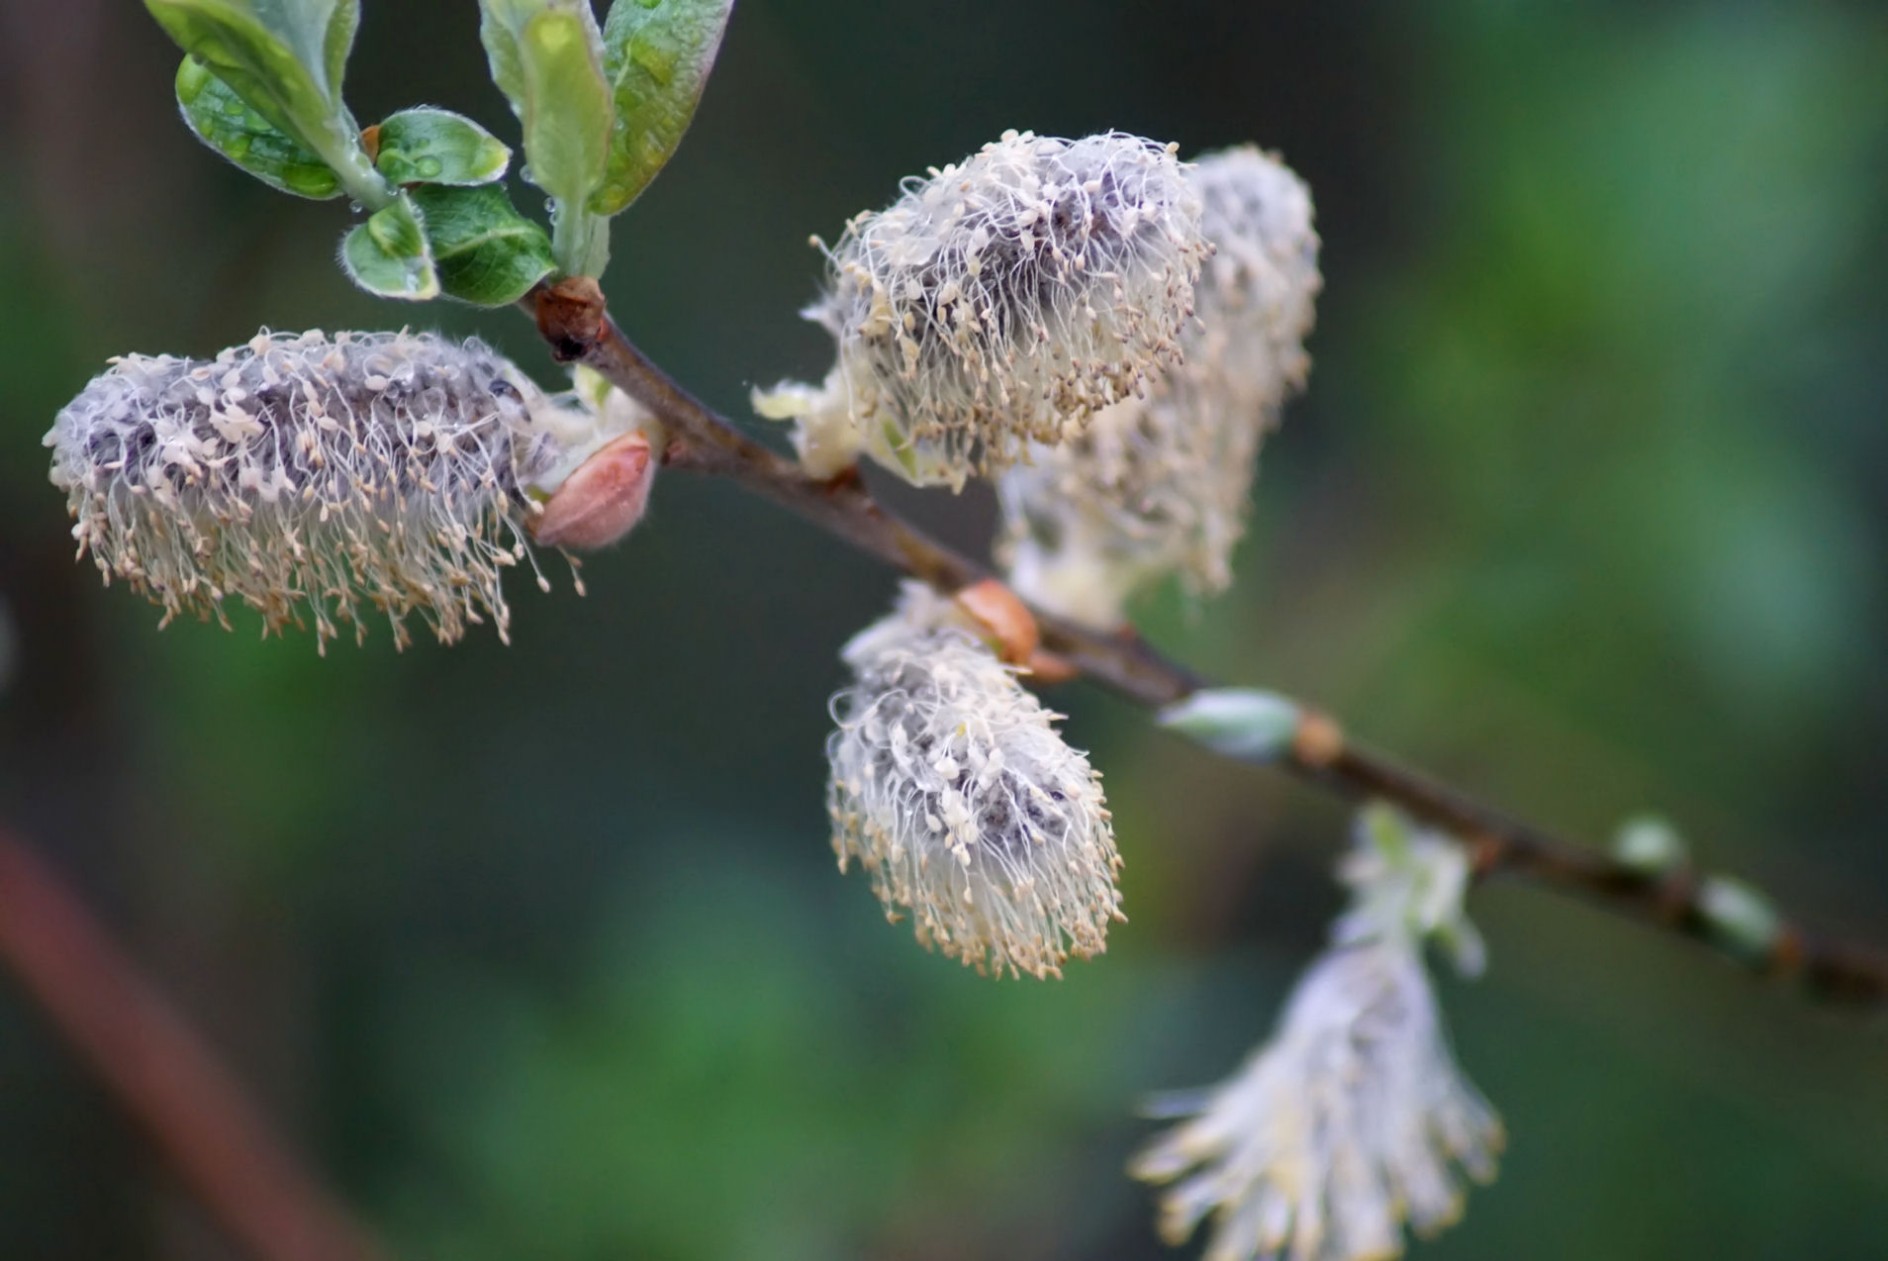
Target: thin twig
164 1075
575 323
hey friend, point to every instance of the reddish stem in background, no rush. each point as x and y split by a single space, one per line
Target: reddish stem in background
164 1074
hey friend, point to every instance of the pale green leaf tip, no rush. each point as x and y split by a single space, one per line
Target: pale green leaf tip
1243 723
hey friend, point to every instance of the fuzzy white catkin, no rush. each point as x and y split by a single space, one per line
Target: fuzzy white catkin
1349 1122
1354 1118
1000 301
952 788
310 476
1159 484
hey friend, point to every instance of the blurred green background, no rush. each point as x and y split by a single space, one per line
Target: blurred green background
540 952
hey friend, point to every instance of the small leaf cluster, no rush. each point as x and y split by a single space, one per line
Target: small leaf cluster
601 108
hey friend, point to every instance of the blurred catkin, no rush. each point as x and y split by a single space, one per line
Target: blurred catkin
1159 484
1353 1118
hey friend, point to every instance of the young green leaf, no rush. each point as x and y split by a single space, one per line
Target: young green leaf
263 68
343 19
226 123
483 250
547 58
285 59
657 55
437 146
387 255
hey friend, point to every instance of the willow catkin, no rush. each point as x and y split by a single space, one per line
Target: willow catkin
1353 1120
952 788
1159 484
308 476
1000 301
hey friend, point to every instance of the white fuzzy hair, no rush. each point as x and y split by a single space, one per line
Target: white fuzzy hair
1000 301
1159 484
308 475
952 788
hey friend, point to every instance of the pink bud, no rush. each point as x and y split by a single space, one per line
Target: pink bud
1011 628
600 502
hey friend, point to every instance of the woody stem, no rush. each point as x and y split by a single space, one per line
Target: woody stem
575 323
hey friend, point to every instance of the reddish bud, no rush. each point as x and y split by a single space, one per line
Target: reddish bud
1319 742
600 502
570 315
1010 625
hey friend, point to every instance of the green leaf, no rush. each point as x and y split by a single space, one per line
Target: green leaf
657 55
225 122
344 19
285 59
262 68
483 250
387 255
437 146
547 58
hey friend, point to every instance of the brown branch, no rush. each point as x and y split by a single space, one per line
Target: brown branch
164 1075
575 324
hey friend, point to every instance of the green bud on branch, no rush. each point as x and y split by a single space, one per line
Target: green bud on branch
1241 723
1651 846
1740 918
